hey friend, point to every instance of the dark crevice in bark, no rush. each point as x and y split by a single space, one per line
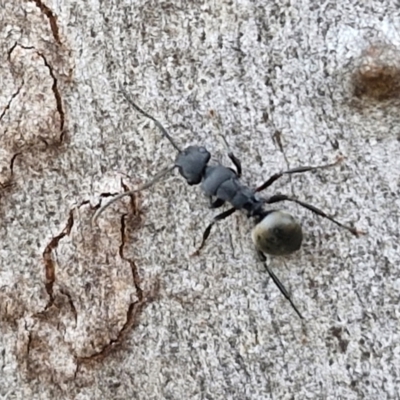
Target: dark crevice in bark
51 17
12 162
57 95
55 89
13 96
48 260
29 343
136 307
71 304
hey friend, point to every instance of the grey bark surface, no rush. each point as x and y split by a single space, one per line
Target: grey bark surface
119 309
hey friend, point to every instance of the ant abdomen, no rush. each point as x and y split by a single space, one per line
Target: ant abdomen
278 234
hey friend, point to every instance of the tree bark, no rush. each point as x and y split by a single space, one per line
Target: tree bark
118 309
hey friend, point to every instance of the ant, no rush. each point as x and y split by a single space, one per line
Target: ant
276 231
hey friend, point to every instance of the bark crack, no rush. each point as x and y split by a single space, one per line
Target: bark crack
136 307
51 17
54 87
48 259
57 95
13 96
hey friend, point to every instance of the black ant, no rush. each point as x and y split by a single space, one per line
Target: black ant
276 232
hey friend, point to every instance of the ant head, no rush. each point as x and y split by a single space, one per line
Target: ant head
192 162
278 233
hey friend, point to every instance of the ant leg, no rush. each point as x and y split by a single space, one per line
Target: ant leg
237 164
233 158
315 210
207 231
216 203
278 283
297 170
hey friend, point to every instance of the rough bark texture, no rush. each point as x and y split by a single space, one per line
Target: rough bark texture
120 310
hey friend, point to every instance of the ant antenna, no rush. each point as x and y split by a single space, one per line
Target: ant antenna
158 124
279 284
156 178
